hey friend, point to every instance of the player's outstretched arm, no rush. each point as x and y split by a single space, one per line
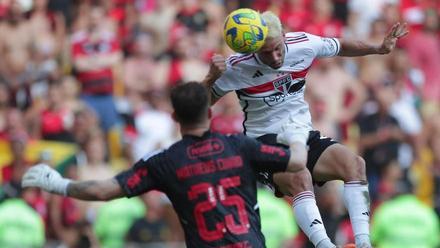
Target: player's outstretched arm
216 69
94 190
48 179
360 48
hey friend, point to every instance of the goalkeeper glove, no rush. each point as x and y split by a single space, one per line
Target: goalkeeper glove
46 178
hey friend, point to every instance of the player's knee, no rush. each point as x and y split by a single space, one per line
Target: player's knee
292 184
301 181
356 170
360 167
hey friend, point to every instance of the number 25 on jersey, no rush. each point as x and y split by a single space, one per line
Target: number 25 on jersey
218 195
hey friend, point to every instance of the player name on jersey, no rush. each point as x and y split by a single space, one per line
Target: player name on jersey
211 166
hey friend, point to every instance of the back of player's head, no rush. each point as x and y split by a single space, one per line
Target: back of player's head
274 27
190 102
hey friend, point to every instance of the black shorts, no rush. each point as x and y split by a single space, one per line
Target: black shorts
316 146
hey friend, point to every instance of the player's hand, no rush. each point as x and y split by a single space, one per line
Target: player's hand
218 66
396 32
46 178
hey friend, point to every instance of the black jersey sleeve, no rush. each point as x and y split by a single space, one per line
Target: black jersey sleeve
265 157
143 176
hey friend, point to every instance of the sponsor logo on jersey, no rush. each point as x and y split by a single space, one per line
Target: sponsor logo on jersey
134 180
284 91
272 150
296 63
205 148
280 84
275 92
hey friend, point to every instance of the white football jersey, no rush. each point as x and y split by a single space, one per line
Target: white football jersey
271 97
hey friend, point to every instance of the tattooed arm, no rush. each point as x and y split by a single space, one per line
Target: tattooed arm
102 190
48 179
359 48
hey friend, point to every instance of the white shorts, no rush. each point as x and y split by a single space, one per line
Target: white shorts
293 131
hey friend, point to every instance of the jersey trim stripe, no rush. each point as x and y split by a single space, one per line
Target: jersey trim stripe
296 38
233 62
256 59
337 46
260 88
243 93
244 110
215 92
236 56
269 85
297 41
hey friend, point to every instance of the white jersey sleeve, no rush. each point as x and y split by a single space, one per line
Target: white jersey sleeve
222 86
231 79
324 47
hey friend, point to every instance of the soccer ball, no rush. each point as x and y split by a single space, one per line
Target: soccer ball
245 31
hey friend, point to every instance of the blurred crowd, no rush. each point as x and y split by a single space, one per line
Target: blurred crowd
95 74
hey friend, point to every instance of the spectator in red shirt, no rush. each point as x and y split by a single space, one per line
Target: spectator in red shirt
4 107
229 117
295 15
322 22
95 52
11 174
186 55
413 11
56 120
424 52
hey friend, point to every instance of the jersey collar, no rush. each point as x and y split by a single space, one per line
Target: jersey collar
258 59
206 133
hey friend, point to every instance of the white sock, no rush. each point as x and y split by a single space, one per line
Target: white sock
357 202
309 219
